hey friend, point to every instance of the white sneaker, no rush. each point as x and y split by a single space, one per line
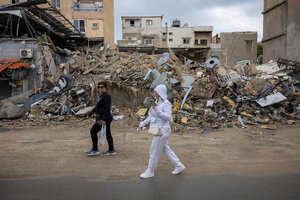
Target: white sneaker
179 169
147 174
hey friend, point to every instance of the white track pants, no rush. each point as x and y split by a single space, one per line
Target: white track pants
159 145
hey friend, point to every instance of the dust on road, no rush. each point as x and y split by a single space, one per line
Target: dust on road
60 151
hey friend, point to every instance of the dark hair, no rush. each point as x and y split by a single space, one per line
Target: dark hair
102 83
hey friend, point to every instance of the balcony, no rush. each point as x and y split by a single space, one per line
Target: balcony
88 7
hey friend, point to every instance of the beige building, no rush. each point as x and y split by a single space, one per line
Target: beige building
281 32
148 32
232 47
94 18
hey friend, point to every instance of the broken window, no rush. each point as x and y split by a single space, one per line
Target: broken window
164 40
79 24
95 25
186 40
164 33
249 47
196 41
56 4
203 42
149 22
171 33
170 40
147 40
131 38
131 22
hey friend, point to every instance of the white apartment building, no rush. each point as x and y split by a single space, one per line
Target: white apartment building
147 32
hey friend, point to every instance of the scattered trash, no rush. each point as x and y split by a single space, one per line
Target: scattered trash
118 117
270 126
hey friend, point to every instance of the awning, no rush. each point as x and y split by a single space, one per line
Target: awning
12 64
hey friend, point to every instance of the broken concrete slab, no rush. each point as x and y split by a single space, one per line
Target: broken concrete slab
163 59
9 110
271 99
85 111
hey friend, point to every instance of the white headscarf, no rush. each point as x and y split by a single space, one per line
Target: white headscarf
162 91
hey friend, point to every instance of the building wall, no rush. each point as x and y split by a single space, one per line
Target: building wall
91 32
156 22
162 36
4 2
11 48
293 30
178 33
203 36
234 47
152 32
126 22
274 27
109 24
281 34
66 8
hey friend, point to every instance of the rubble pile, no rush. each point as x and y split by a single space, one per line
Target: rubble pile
203 96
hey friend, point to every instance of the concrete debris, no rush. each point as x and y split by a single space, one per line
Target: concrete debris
211 63
271 99
85 111
9 110
203 96
142 111
270 126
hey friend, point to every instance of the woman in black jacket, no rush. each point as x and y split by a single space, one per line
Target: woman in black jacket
103 117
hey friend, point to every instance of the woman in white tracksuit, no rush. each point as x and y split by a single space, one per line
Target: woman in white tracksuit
159 116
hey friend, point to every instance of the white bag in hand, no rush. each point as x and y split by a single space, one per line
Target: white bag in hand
102 136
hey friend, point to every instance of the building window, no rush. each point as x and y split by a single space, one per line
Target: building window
203 42
56 4
95 26
170 33
131 22
14 1
149 22
147 40
170 40
164 40
249 47
196 41
186 40
164 33
80 25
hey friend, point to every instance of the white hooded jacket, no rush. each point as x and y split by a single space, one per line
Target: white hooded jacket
162 114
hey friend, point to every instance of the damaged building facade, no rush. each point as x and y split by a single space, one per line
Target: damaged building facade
93 18
281 31
27 52
148 34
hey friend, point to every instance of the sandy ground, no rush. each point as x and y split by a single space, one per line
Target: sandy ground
60 151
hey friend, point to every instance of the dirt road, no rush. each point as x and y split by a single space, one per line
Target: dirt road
60 151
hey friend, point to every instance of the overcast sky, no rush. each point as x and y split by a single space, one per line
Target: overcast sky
223 15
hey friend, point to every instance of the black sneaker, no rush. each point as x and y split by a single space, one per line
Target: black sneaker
110 153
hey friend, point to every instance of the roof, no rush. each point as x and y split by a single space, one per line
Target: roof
12 64
137 17
46 19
